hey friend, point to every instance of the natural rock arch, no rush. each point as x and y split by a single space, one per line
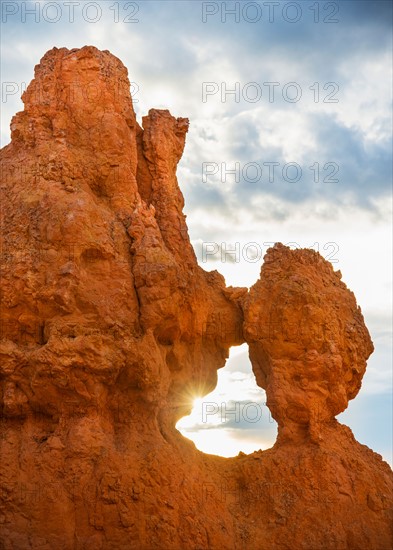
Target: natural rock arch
114 340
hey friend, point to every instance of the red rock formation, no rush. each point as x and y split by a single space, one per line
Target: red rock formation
110 329
308 342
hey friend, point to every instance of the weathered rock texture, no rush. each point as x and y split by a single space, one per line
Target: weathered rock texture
110 329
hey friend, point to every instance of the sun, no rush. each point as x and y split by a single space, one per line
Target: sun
197 402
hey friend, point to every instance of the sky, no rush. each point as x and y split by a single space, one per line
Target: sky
290 141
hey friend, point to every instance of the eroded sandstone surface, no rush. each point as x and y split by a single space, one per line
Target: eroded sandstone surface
110 329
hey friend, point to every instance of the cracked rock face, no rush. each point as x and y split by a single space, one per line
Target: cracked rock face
110 329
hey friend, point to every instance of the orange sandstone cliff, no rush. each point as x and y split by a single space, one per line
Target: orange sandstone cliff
110 329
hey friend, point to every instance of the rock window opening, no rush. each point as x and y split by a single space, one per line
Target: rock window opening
234 417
